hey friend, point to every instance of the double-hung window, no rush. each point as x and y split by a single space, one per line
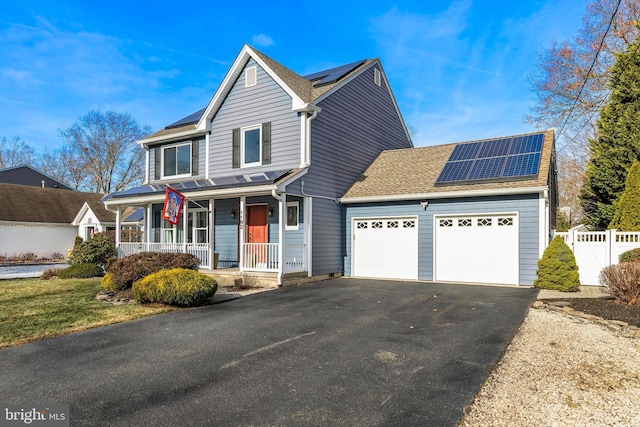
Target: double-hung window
251 146
176 160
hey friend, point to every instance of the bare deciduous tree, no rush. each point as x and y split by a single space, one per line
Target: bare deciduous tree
15 152
105 147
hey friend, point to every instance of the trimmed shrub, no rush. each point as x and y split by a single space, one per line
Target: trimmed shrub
52 272
177 286
81 271
109 284
622 282
557 269
127 270
96 250
630 256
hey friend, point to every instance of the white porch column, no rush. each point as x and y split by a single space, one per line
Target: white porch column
282 222
148 213
118 226
211 231
185 225
308 232
241 215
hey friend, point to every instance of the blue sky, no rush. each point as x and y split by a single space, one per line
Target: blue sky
458 69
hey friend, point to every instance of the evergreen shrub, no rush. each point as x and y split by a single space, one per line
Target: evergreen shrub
177 286
557 269
97 250
127 270
630 256
81 271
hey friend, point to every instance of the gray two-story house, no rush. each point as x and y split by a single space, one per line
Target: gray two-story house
262 167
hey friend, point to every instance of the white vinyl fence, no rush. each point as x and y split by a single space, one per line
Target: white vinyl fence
595 250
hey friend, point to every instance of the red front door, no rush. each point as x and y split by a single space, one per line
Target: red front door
257 232
257 228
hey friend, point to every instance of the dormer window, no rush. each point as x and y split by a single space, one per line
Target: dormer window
250 76
176 160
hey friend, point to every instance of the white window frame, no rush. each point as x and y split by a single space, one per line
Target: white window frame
243 131
297 226
250 76
184 175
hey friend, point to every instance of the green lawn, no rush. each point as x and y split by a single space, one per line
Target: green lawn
32 309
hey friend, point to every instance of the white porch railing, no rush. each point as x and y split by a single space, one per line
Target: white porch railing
257 256
201 250
595 250
265 257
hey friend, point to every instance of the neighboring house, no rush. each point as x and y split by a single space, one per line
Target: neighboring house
27 175
46 221
94 218
479 211
263 164
39 220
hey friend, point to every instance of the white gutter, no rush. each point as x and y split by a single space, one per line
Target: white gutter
172 137
443 195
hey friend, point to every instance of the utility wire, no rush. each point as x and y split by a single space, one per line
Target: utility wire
595 59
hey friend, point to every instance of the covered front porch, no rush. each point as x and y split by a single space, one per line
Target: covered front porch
258 233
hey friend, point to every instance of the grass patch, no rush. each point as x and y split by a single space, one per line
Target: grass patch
32 309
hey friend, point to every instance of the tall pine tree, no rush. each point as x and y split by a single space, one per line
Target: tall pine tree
618 141
627 215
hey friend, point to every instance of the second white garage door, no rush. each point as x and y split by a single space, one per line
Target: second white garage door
478 248
385 248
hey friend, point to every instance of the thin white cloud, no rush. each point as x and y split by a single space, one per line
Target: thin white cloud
262 40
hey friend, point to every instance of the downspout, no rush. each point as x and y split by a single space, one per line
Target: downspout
307 153
278 197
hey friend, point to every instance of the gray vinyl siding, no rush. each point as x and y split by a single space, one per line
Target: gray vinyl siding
356 123
226 231
296 236
526 206
202 150
250 106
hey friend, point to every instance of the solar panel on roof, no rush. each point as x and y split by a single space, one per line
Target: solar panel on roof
191 118
514 157
333 74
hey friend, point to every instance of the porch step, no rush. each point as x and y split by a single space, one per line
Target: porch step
229 277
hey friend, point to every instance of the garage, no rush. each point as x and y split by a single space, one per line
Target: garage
487 246
385 247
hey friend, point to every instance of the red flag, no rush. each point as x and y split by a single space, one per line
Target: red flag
173 202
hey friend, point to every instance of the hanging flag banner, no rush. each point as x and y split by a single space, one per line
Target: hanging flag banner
173 202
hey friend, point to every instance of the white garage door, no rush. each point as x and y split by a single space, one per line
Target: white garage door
478 248
385 248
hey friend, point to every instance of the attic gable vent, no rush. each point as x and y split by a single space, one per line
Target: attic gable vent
250 77
377 77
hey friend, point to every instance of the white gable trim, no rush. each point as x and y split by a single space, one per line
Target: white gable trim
81 213
227 83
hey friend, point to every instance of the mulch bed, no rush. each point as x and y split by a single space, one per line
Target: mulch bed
606 308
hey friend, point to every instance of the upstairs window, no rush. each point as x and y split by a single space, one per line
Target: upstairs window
251 147
176 160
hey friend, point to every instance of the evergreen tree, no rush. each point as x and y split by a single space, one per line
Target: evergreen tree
557 269
627 214
618 141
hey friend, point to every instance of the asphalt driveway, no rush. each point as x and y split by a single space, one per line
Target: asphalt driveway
342 352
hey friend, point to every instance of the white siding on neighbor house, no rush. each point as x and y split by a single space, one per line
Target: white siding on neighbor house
356 123
525 206
249 106
40 239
